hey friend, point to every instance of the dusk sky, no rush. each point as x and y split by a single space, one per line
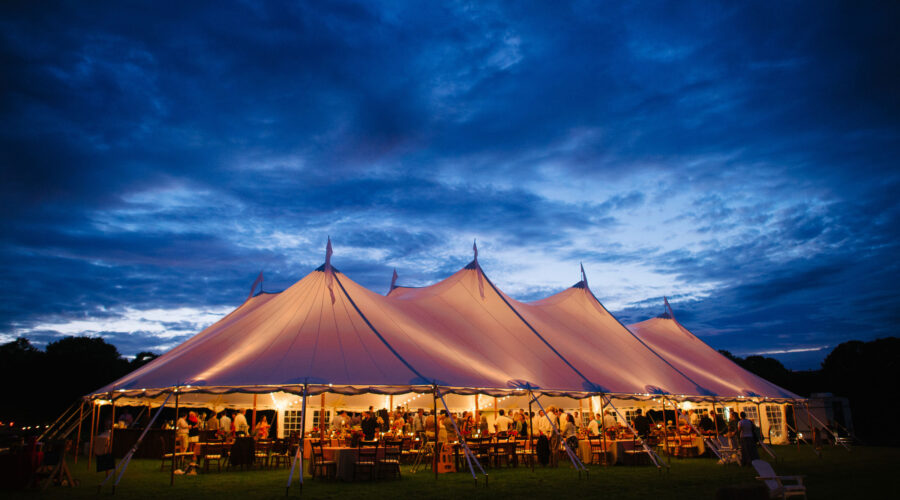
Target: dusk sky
740 158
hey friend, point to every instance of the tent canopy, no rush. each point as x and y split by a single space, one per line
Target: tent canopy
327 333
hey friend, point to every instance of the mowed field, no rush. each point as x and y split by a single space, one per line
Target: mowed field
864 472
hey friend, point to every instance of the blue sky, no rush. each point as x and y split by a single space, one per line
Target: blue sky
741 158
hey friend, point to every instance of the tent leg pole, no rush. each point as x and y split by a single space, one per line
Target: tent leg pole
796 429
174 441
603 426
715 418
93 429
78 437
434 454
665 424
112 423
530 435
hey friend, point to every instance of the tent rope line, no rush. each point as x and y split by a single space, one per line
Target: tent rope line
375 330
513 309
664 360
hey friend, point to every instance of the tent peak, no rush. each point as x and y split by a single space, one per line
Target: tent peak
581 284
321 269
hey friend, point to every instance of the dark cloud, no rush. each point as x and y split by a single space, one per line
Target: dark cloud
743 157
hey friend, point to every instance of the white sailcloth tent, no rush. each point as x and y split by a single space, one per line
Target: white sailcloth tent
327 335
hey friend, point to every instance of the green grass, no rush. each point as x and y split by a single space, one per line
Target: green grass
863 472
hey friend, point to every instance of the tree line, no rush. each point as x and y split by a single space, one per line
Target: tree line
41 384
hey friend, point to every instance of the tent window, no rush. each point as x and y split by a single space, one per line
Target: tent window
774 416
752 414
317 418
292 422
629 414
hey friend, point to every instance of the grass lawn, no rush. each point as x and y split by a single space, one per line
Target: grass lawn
863 472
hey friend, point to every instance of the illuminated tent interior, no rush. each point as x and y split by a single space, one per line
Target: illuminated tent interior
351 348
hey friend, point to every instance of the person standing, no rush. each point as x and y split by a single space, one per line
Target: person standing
641 424
225 426
418 424
748 440
553 423
241 427
501 423
368 424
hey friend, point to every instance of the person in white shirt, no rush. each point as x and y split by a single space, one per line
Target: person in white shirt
338 423
240 423
181 432
225 425
543 424
594 425
502 422
609 421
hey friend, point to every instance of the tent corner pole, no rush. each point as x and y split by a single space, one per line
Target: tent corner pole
531 420
796 429
174 439
665 424
78 436
93 430
434 454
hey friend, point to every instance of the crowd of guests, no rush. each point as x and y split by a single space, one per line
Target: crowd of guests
226 425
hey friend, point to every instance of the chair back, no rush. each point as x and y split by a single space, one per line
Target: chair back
596 443
367 451
392 449
764 469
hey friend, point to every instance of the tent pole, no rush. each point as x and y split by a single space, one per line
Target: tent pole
93 429
813 435
580 422
759 415
665 424
434 454
78 438
253 417
477 412
112 422
174 440
322 415
299 455
715 418
796 429
603 425
530 435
